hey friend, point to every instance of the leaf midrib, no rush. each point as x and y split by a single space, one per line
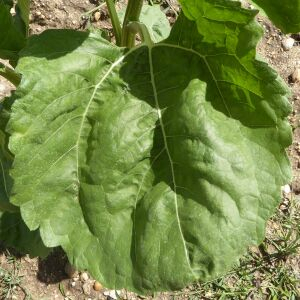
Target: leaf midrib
162 126
116 63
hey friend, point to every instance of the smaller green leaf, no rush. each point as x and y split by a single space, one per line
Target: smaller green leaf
22 14
284 14
155 20
12 40
14 233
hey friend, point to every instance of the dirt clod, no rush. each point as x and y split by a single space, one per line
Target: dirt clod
86 287
296 75
84 276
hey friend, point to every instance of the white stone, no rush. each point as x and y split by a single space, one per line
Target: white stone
288 43
2 87
286 189
112 294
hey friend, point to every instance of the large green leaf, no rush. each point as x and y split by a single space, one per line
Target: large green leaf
156 167
12 39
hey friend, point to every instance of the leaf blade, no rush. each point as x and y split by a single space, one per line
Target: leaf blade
129 151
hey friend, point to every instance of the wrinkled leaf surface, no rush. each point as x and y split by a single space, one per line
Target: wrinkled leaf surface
156 167
13 231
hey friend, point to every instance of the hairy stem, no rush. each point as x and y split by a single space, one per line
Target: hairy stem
132 14
115 21
10 75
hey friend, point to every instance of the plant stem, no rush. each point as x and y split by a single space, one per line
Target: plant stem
132 14
115 21
10 75
141 29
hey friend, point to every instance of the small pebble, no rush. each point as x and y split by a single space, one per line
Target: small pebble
97 16
97 286
288 44
286 189
2 88
296 75
84 276
111 294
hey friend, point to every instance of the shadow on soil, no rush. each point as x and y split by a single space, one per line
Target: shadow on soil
50 269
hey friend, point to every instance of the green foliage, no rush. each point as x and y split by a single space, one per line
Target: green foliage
155 20
15 233
152 167
22 13
284 14
153 156
12 39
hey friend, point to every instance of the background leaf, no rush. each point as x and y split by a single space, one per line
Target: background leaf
156 21
284 14
12 39
14 233
22 14
157 167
